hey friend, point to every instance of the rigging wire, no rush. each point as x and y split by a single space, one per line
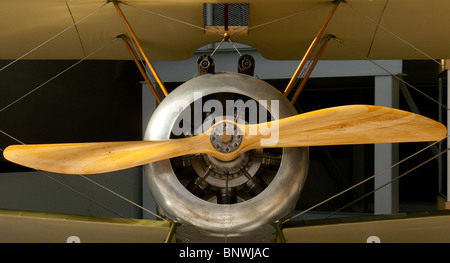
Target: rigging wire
372 177
202 28
57 75
391 167
76 28
48 81
285 17
376 29
170 18
221 42
51 79
122 197
399 78
53 37
390 73
61 183
378 24
391 181
67 186
233 33
12 137
235 48
90 180
80 193
93 182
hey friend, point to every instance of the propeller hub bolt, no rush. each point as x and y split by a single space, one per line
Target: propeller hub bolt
226 137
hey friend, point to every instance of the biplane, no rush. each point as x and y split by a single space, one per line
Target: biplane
225 154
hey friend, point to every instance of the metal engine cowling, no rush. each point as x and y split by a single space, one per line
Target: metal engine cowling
185 200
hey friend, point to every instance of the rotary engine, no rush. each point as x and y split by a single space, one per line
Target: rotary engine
257 188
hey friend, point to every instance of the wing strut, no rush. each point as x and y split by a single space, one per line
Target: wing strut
311 48
141 69
138 44
311 68
171 234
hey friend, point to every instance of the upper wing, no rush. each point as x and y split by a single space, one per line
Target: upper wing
172 30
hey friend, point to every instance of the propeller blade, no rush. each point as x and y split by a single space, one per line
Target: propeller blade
354 124
91 158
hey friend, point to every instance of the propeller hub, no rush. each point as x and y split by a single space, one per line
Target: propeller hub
226 137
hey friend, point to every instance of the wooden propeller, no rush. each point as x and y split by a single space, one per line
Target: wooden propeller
354 124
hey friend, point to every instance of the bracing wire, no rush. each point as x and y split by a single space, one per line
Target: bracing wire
298 13
121 196
372 177
48 81
202 28
391 181
80 193
396 164
399 78
57 75
53 37
390 73
378 24
93 182
61 183
169 18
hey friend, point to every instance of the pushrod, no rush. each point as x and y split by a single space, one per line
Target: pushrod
141 69
314 43
139 46
310 70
